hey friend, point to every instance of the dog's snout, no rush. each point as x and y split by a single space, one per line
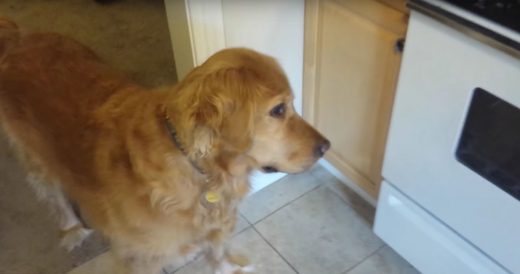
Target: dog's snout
322 147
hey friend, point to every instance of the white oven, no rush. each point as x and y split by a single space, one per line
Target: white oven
450 200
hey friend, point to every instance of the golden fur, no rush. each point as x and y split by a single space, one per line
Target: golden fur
94 137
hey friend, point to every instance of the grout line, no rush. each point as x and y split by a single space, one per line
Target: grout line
348 202
286 204
249 225
328 184
244 217
357 207
276 250
240 231
363 260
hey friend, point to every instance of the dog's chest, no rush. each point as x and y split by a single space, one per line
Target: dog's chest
218 207
216 210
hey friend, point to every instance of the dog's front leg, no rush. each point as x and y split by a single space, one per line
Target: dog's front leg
133 263
221 260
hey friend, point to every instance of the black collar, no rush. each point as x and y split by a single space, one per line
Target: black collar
175 138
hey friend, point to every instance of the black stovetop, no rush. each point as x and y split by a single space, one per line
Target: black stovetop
503 12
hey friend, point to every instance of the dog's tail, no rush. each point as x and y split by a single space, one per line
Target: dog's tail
9 35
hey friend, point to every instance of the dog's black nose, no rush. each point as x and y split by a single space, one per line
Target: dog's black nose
270 169
321 148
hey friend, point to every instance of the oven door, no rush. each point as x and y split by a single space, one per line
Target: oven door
428 158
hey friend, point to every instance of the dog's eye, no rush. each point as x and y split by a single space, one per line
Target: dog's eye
278 111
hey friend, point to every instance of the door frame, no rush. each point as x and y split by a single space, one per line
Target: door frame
196 31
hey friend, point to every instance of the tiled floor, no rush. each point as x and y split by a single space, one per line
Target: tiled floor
309 223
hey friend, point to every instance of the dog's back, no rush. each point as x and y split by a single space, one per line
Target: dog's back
50 87
44 113
9 35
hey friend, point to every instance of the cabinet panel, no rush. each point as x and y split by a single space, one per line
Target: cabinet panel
355 78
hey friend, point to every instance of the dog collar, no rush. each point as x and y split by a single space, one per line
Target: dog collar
210 197
175 138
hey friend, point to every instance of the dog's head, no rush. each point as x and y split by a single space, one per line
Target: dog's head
239 104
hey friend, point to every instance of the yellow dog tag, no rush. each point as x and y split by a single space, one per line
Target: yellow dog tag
212 197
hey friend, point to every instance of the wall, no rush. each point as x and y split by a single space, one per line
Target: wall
271 27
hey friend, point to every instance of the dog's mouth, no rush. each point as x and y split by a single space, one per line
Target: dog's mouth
269 169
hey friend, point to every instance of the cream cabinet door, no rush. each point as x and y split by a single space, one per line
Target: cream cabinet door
351 68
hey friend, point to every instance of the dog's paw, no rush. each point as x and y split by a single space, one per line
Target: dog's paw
248 269
235 265
189 253
74 237
229 268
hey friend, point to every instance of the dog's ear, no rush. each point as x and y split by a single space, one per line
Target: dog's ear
219 108
202 113
236 92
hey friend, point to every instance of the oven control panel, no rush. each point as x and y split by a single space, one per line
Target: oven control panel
503 12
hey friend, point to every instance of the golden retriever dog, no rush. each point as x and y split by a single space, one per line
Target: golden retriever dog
160 173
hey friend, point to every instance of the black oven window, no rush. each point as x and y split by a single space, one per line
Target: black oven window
490 141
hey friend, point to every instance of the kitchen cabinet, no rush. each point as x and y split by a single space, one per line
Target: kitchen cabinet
351 64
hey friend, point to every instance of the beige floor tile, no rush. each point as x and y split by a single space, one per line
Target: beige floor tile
385 261
276 195
348 195
358 204
249 243
320 233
